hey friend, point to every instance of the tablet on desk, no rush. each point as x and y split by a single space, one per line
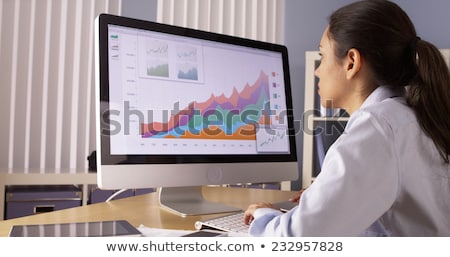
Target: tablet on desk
79 229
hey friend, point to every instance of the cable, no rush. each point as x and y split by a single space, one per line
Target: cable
115 194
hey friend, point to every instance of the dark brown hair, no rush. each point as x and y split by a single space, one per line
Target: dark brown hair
385 36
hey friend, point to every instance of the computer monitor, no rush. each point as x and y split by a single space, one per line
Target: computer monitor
179 108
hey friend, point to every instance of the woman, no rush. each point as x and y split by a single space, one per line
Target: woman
388 174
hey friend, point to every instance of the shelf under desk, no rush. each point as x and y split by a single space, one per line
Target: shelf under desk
145 209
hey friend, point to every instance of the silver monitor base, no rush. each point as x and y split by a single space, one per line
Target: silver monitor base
186 201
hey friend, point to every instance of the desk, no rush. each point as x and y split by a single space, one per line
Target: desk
145 209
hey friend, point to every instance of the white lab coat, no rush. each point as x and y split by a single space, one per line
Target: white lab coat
383 176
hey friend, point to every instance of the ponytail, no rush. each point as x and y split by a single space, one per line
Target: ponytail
429 95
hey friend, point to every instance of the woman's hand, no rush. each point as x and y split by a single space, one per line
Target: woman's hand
248 215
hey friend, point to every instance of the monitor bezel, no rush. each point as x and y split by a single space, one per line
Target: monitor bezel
103 93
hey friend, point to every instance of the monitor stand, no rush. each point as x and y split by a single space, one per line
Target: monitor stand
186 201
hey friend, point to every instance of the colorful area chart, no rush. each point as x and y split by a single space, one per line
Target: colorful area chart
233 117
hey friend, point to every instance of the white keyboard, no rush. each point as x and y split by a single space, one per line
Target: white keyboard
235 222
229 223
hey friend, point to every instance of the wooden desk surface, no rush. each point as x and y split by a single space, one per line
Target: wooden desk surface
145 209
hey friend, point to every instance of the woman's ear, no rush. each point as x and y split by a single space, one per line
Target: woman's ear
353 63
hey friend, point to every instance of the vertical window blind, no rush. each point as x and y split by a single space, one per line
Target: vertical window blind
47 70
47 81
255 19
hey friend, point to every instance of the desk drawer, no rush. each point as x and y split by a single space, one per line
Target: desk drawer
28 200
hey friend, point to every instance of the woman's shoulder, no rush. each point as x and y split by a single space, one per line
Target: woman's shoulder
393 111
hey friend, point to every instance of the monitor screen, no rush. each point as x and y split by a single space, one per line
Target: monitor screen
180 108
